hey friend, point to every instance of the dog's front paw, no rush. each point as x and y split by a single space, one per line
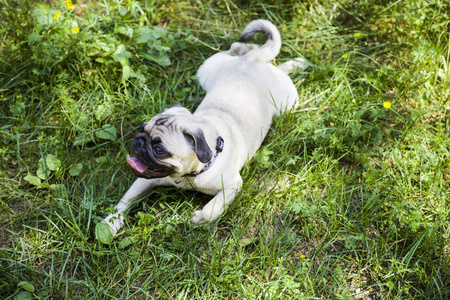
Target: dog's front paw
115 222
197 217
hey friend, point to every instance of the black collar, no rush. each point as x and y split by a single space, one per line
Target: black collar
219 148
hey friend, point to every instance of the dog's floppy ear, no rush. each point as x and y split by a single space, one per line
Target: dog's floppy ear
176 104
197 139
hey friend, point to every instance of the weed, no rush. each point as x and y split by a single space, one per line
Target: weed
347 198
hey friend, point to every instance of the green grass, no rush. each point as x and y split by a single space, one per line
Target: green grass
346 199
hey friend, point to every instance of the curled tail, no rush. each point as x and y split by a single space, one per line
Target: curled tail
270 49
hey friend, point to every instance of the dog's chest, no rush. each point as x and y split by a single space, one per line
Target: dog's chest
199 184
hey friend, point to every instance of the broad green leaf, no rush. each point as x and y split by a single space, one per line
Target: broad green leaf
34 180
59 188
17 108
33 37
43 293
126 73
23 296
43 173
120 49
75 170
99 253
246 241
122 10
163 60
121 55
121 58
103 233
145 34
53 163
107 132
127 242
42 16
125 30
103 111
108 48
82 140
101 159
26 286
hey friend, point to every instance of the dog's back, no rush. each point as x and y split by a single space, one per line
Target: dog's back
245 87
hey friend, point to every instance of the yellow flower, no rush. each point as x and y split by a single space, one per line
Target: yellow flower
345 56
75 30
387 104
302 256
357 35
57 15
69 4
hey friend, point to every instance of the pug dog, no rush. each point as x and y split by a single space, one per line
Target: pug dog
205 150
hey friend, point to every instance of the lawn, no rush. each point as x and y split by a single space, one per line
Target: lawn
348 198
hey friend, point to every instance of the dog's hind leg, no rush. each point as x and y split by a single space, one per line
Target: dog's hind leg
293 65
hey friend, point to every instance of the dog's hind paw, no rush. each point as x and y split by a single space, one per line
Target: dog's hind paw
294 65
197 218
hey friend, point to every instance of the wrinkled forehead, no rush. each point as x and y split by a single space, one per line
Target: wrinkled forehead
171 120
164 129
159 123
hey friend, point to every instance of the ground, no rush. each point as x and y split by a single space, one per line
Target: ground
346 199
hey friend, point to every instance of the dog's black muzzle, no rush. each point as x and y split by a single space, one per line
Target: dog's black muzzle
150 153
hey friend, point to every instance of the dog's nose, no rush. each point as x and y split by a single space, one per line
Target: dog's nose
140 143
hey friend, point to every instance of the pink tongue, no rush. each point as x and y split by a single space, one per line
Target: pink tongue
136 164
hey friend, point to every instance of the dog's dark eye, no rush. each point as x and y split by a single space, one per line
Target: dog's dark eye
158 150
